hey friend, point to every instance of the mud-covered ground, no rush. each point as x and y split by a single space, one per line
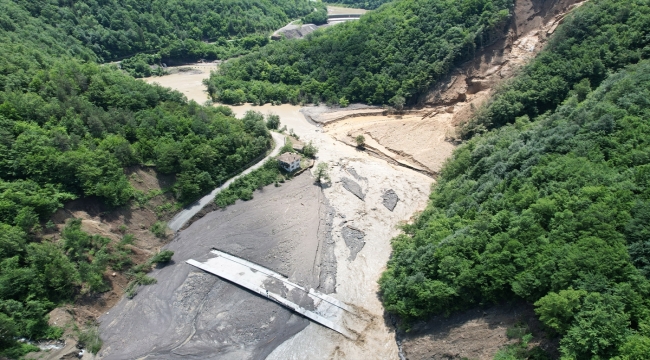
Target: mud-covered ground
192 314
187 79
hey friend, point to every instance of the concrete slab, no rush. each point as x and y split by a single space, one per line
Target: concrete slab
321 308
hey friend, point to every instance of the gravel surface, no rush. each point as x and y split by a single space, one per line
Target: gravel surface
193 314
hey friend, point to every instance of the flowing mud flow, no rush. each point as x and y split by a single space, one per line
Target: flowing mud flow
299 229
333 238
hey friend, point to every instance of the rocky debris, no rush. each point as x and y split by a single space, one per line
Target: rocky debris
354 240
353 187
294 31
355 175
390 199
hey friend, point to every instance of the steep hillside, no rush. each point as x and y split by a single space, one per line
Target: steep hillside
602 37
72 129
388 56
119 28
551 209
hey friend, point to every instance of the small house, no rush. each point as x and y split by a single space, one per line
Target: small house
289 161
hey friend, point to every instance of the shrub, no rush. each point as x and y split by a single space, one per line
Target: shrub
159 229
90 339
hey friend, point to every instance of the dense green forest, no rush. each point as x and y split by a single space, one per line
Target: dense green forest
554 207
119 28
363 4
392 53
68 129
318 16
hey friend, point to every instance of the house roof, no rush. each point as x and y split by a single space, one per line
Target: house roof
288 158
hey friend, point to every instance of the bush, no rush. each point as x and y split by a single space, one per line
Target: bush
360 140
159 229
89 338
272 121
162 257
310 150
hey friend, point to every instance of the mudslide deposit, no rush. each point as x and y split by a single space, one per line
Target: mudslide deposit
193 313
424 138
335 238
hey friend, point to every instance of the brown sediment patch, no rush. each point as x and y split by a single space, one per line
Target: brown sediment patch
473 334
188 79
421 143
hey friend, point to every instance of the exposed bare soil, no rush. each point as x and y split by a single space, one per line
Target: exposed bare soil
473 334
187 79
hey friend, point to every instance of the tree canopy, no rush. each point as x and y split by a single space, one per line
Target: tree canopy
68 129
551 208
119 28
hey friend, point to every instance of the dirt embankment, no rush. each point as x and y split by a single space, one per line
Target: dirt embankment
424 138
473 334
98 219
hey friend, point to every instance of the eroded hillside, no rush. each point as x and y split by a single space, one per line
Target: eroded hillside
424 138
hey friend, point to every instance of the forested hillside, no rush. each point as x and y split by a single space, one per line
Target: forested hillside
387 56
68 129
553 208
363 4
601 37
120 28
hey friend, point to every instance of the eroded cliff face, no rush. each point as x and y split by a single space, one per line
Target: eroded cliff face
473 82
423 138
